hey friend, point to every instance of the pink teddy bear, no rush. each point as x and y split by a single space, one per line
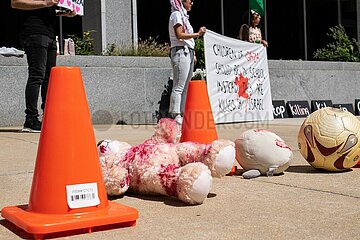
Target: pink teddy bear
162 165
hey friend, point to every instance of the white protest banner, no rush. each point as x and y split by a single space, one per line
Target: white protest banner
77 5
68 4
237 79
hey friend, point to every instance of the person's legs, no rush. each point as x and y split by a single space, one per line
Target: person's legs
181 63
51 62
188 78
36 53
36 49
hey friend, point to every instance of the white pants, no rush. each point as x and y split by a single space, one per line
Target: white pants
182 62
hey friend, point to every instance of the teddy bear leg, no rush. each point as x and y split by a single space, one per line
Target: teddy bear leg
116 180
224 161
194 183
219 156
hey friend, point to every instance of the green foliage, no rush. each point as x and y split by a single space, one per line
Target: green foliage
148 47
342 49
85 44
200 55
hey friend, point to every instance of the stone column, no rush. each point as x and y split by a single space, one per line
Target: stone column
92 21
358 18
112 21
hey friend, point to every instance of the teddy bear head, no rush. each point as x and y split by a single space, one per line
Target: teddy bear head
166 131
262 150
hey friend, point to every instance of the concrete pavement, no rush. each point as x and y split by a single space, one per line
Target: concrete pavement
301 204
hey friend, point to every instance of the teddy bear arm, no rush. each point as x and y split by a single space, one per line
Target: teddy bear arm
190 152
160 179
190 183
116 180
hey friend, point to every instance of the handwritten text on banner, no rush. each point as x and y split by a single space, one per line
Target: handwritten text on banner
237 79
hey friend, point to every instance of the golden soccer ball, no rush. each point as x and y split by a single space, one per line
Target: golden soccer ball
329 139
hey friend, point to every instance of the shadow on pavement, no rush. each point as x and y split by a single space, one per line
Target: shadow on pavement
310 170
170 201
82 231
17 231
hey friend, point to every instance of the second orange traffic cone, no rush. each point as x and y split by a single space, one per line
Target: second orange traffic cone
67 191
198 123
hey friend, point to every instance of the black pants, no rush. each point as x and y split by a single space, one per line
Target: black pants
41 57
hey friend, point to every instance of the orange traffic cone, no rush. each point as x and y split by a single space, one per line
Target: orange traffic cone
198 123
232 171
67 191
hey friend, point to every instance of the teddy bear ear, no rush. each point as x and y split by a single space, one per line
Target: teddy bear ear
103 147
99 143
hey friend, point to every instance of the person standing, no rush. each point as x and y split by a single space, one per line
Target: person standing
255 35
182 54
37 36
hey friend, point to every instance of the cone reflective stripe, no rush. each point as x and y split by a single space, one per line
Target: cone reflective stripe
67 191
198 122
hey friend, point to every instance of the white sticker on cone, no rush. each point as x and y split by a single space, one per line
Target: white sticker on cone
82 195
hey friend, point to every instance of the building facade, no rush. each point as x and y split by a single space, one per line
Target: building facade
294 31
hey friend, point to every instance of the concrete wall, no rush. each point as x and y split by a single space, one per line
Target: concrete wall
133 89
310 80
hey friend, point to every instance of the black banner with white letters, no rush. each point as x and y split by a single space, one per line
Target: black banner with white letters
298 109
279 109
345 107
357 107
318 104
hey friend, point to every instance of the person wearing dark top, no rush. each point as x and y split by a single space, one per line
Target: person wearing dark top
37 36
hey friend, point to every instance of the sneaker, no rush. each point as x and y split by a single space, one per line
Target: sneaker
178 119
32 125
